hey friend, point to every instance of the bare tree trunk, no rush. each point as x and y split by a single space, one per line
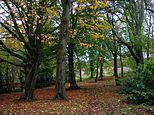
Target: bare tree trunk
115 66
61 53
101 69
80 73
80 69
91 68
148 49
60 72
122 71
72 80
96 78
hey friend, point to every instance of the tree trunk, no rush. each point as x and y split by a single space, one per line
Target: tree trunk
101 70
31 77
61 53
80 73
60 72
139 33
1 83
96 78
122 71
139 55
91 69
72 80
148 48
115 66
80 70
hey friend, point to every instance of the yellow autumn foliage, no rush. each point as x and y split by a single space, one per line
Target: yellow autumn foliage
96 36
100 4
86 45
81 1
50 12
14 44
47 38
72 34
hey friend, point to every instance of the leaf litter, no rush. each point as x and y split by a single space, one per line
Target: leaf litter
101 98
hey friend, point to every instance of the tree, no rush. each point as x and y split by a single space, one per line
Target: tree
113 48
24 21
132 18
149 30
71 48
91 27
72 80
61 53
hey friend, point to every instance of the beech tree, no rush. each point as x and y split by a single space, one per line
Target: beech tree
61 53
71 48
25 21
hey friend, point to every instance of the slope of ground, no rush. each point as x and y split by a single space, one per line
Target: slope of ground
101 98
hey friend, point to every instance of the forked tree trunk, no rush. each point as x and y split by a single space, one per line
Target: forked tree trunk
137 17
61 53
72 80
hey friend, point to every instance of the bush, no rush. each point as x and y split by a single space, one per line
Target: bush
140 87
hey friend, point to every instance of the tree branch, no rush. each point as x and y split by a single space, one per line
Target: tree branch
150 10
12 63
127 45
14 21
11 52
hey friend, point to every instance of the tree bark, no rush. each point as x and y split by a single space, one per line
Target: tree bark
115 66
72 80
80 74
31 70
121 62
80 69
60 92
96 78
101 70
122 70
91 69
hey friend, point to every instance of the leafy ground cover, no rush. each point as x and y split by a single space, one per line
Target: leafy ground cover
101 98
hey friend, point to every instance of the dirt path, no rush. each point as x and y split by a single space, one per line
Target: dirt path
101 98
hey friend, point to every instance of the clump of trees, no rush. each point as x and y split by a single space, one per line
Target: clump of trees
45 38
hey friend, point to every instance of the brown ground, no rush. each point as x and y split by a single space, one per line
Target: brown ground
101 98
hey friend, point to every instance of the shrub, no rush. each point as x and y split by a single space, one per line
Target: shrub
140 87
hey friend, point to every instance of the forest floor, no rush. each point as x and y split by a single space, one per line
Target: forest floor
101 98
